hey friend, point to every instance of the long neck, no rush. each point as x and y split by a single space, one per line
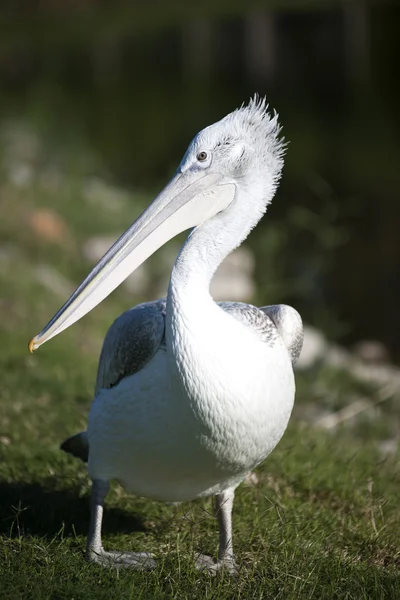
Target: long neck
207 246
193 319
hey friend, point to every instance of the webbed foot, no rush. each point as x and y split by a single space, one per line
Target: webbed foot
208 564
142 561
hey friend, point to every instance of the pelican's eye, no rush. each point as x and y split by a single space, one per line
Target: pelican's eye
202 156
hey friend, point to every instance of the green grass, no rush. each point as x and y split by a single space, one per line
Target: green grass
322 522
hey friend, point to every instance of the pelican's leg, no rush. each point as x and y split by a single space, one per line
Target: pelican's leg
224 503
94 548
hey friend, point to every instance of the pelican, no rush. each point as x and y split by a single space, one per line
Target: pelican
190 394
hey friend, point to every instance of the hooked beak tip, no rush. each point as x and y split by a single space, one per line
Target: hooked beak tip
32 346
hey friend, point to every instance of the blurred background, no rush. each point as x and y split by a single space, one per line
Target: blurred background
99 100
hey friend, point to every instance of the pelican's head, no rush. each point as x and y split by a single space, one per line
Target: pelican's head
242 152
244 146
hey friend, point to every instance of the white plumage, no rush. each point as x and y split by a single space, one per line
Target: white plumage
191 395
198 416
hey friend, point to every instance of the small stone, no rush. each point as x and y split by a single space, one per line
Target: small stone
372 351
48 225
20 174
388 447
314 348
99 193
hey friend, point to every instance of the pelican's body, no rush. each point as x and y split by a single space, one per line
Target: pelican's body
190 395
198 416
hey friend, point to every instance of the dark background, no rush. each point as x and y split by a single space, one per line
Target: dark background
120 88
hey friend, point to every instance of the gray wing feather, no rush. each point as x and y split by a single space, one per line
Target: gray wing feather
269 322
138 333
289 326
253 317
131 342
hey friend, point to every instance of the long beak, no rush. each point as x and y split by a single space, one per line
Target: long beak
187 201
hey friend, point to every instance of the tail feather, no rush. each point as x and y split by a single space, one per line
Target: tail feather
77 445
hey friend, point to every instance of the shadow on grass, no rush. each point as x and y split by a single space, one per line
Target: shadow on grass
33 509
